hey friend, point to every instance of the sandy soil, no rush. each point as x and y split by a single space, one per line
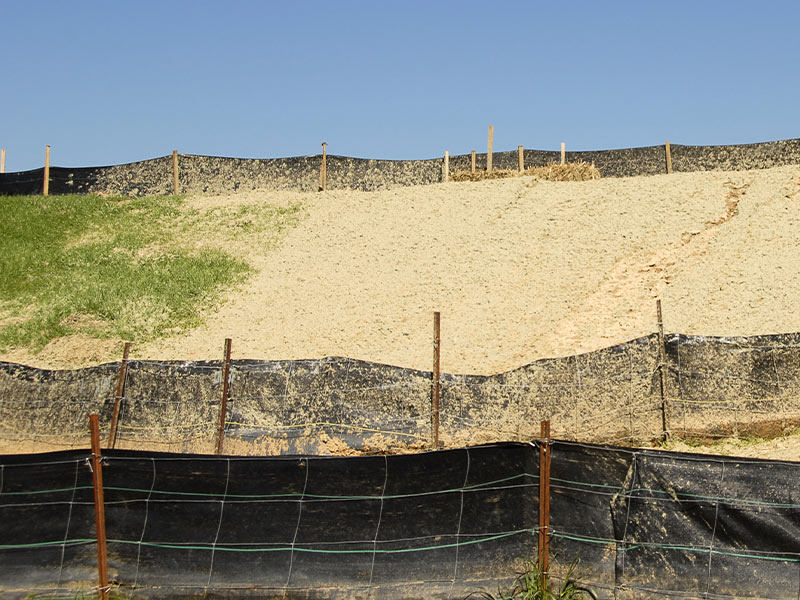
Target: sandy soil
520 269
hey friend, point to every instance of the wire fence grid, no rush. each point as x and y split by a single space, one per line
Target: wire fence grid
484 493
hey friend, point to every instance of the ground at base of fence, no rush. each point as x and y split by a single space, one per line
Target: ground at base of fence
784 447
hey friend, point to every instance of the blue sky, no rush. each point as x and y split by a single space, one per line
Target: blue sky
113 82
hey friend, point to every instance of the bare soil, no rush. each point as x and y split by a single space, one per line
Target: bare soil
520 270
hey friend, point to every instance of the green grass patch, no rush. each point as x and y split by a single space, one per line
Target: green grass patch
117 267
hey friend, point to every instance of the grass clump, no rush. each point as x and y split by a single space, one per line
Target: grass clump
532 584
117 267
577 171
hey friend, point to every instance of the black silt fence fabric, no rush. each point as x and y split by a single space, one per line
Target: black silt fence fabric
606 393
416 526
214 175
653 524
732 158
47 534
714 386
22 183
53 407
326 405
643 523
729 385
627 162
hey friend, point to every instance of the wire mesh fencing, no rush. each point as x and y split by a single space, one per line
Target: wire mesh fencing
205 526
641 523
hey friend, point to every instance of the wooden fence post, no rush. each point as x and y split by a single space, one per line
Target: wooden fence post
521 158
472 162
662 365
223 408
323 169
123 371
489 152
544 503
563 153
435 380
46 182
3 160
96 463
669 157
175 186
446 167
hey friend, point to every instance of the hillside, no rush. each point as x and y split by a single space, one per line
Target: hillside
520 269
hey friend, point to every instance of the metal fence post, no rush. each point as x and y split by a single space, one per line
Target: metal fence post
544 503
123 371
435 380
223 409
96 463
662 365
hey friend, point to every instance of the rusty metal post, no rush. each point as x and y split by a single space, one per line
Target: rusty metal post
662 365
435 381
544 503
3 160
669 157
96 463
175 185
46 182
123 371
223 409
323 170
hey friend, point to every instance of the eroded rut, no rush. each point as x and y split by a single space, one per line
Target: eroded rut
637 280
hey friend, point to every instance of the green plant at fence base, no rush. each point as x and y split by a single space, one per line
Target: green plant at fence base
534 584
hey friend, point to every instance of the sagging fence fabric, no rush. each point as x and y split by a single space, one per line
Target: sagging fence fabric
211 174
643 523
713 387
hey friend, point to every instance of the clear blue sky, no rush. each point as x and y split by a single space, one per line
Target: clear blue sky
113 82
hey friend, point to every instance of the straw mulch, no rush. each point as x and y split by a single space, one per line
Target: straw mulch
577 171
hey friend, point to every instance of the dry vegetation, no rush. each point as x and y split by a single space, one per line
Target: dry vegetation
579 171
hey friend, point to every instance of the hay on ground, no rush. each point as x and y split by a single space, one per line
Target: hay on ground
577 171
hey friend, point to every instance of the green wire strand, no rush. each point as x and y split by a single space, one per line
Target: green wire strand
46 544
637 545
621 546
474 487
277 549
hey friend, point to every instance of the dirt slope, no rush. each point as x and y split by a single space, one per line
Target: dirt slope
520 269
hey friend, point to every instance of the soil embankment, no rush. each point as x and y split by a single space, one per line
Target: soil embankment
520 269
